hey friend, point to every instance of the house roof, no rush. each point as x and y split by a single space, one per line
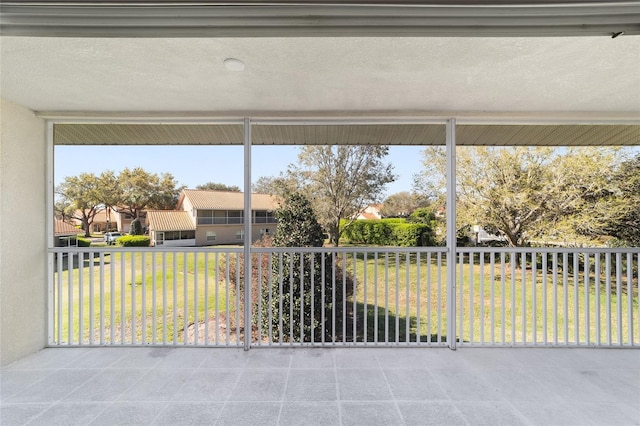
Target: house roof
367 216
61 228
224 200
169 220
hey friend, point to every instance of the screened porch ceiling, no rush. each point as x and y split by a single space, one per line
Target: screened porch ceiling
318 72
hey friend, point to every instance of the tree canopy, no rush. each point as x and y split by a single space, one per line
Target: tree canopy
80 198
139 190
214 186
340 180
402 204
525 192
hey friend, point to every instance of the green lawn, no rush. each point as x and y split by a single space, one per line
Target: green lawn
395 300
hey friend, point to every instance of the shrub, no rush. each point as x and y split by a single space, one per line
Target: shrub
136 227
413 235
83 242
298 227
133 241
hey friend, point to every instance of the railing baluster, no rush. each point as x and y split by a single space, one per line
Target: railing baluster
144 298
312 272
418 297
280 295
565 285
237 307
523 285
133 298
471 291
206 298
630 299
375 297
503 284
216 290
365 312
619 297
534 290
164 298
555 298
301 274
608 293
354 291
175 298
597 308
344 297
260 284
80 297
123 274
545 267
481 297
102 307
492 265
587 322
397 292
461 292
154 304
196 315
323 263
576 301
440 298
386 298
514 259
270 313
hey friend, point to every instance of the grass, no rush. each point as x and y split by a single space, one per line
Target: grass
398 298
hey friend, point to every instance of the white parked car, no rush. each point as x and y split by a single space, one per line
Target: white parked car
111 237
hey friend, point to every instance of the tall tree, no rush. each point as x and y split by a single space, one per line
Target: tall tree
522 192
402 204
275 185
138 190
214 186
79 198
341 180
618 206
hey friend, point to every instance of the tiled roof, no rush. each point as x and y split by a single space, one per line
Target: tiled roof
169 220
223 200
367 216
61 228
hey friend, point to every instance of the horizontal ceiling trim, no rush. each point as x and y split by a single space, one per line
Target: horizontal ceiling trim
342 117
120 19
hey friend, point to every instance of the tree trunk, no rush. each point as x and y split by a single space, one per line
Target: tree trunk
85 226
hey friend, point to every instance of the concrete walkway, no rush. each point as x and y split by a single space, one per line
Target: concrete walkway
345 386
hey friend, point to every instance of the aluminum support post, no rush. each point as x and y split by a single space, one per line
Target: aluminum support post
451 232
247 234
50 229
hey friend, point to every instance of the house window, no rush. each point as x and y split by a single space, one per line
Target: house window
263 216
264 231
240 235
211 236
235 216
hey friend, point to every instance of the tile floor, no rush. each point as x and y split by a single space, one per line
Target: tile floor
337 386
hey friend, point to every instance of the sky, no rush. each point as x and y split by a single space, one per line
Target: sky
197 165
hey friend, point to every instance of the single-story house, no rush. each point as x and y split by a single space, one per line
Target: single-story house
206 218
64 234
370 212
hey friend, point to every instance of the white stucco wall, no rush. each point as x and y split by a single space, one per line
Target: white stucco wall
23 241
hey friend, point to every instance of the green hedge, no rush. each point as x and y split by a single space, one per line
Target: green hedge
390 232
133 241
83 242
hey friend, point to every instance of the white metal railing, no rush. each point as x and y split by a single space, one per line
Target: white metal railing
547 296
343 297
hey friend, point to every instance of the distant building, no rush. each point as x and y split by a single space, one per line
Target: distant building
370 212
211 218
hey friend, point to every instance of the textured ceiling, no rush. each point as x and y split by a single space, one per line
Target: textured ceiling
574 74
